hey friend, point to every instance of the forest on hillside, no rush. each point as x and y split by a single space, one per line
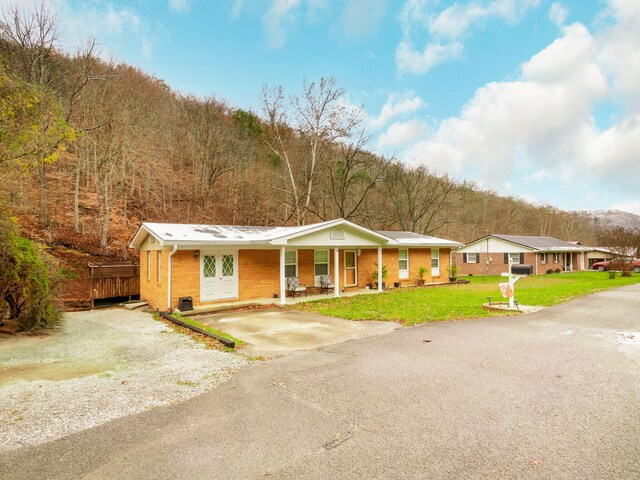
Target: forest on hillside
92 148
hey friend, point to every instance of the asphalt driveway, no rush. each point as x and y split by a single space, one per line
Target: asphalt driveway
551 395
276 331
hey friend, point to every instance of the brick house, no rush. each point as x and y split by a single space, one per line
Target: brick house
490 255
219 263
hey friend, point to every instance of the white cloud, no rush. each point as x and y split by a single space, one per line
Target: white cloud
397 104
558 14
400 134
361 18
410 60
446 29
120 32
179 5
620 51
543 119
276 17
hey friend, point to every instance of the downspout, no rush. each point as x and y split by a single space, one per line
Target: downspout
174 250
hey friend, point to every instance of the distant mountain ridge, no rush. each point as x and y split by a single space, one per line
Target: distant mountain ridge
607 219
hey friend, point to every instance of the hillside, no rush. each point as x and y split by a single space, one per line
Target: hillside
129 149
607 219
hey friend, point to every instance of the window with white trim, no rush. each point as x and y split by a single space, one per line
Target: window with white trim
159 263
543 258
435 258
556 258
403 263
321 262
291 263
472 258
514 257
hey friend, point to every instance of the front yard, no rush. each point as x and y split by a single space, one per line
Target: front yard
430 304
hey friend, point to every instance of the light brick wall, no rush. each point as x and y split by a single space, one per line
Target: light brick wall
150 290
185 276
417 257
259 272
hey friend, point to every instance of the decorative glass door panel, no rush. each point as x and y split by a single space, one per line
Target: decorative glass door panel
218 276
228 284
209 290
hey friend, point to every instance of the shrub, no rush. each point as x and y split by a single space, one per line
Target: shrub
557 270
550 271
25 280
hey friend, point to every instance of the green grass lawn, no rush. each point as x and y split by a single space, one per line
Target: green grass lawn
430 304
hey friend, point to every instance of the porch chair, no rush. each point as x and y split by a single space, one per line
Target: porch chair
326 285
294 288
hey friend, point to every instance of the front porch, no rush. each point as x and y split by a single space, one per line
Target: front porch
218 307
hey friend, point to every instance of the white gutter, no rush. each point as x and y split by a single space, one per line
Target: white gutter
175 249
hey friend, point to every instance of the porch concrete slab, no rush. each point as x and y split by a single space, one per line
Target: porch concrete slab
277 331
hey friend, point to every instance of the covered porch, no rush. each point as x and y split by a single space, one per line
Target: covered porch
221 306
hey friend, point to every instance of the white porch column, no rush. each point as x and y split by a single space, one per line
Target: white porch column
283 286
379 269
336 272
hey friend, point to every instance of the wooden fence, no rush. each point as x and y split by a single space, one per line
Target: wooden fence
114 280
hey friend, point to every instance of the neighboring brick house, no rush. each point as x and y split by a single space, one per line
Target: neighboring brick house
214 263
490 255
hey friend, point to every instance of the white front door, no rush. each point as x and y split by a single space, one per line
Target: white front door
218 276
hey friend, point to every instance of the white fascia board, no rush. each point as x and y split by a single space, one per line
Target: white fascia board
283 240
452 246
138 238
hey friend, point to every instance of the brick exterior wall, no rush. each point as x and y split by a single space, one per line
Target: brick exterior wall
497 265
150 290
259 272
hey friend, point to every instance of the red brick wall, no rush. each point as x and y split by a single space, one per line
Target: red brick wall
497 266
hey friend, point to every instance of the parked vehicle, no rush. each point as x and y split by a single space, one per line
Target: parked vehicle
617 265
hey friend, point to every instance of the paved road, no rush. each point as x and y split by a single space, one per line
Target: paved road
555 394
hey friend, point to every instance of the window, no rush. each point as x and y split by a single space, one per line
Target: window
148 265
514 257
337 234
321 262
543 258
556 257
435 258
159 262
403 263
291 263
472 258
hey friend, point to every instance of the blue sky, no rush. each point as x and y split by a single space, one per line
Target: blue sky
537 99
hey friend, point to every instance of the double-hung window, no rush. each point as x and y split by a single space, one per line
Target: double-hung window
543 258
403 263
472 258
556 258
291 263
321 262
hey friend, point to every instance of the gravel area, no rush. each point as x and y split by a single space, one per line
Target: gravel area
96 367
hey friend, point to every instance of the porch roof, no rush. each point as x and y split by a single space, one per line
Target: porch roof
238 235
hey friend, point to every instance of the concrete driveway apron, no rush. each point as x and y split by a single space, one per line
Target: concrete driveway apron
276 331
